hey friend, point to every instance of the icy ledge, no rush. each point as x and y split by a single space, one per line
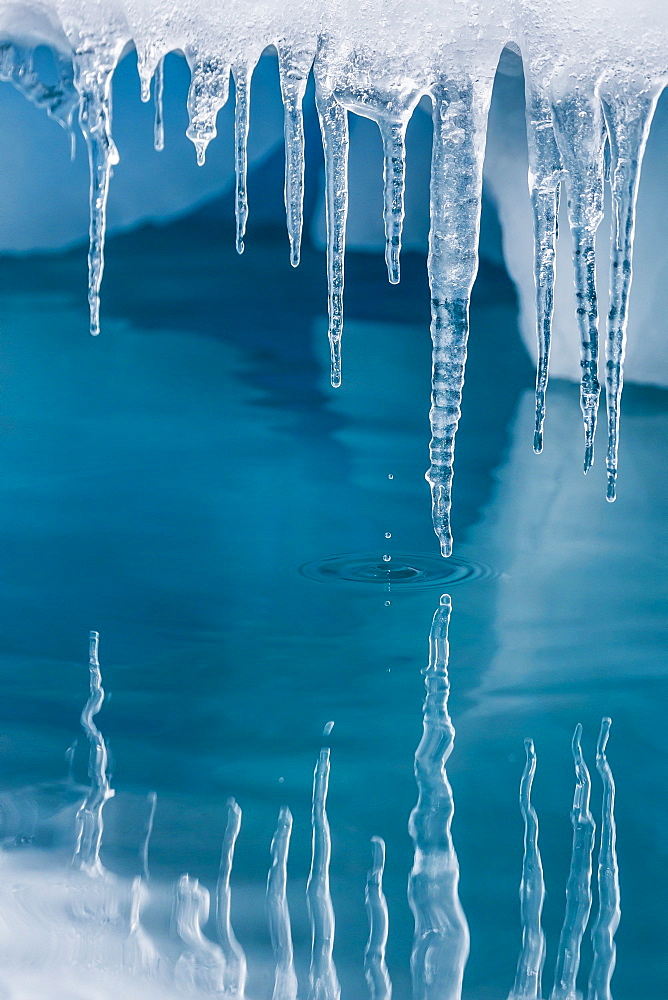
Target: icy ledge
594 73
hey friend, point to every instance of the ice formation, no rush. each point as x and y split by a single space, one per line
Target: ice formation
593 76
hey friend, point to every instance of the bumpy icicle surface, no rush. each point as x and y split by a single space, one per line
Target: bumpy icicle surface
375 967
235 960
441 939
285 977
323 981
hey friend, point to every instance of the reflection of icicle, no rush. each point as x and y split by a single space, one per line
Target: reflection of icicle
544 180
235 960
323 982
143 853
628 118
294 70
579 130
609 912
441 941
459 116
201 966
208 92
242 77
140 951
93 82
394 178
334 128
89 821
532 894
578 888
158 92
285 978
375 968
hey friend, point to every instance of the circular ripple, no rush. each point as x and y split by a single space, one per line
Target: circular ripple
401 573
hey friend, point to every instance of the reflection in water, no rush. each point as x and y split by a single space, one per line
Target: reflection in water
375 968
529 974
441 942
93 926
323 982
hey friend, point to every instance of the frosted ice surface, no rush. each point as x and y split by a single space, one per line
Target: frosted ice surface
594 72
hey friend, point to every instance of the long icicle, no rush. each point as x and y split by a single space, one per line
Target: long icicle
628 119
89 819
578 887
544 184
609 912
578 124
459 116
441 939
92 79
323 981
158 93
280 930
334 129
152 799
242 74
235 960
393 134
294 73
528 979
375 967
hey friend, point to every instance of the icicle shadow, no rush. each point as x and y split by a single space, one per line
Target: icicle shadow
323 981
528 979
278 913
375 967
460 110
201 965
441 939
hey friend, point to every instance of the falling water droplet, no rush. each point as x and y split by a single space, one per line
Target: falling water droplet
388 534
387 558
328 728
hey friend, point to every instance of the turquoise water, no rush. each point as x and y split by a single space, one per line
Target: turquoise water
165 483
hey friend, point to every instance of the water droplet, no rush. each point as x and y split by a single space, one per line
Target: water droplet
387 603
387 558
390 476
281 780
388 534
328 728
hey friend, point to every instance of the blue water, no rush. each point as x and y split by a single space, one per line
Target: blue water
165 483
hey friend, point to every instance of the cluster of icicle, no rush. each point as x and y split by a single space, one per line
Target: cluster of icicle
441 939
593 70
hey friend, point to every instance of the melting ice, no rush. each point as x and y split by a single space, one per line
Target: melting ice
594 73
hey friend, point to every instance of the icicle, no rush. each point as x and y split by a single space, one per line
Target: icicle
544 182
285 978
201 966
143 853
235 960
609 912
93 82
532 894
441 939
334 128
628 118
578 888
58 100
459 117
323 982
158 91
579 131
89 821
209 90
393 134
242 78
375 968
294 68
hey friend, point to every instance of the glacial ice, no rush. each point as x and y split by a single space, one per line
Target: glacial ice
593 72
